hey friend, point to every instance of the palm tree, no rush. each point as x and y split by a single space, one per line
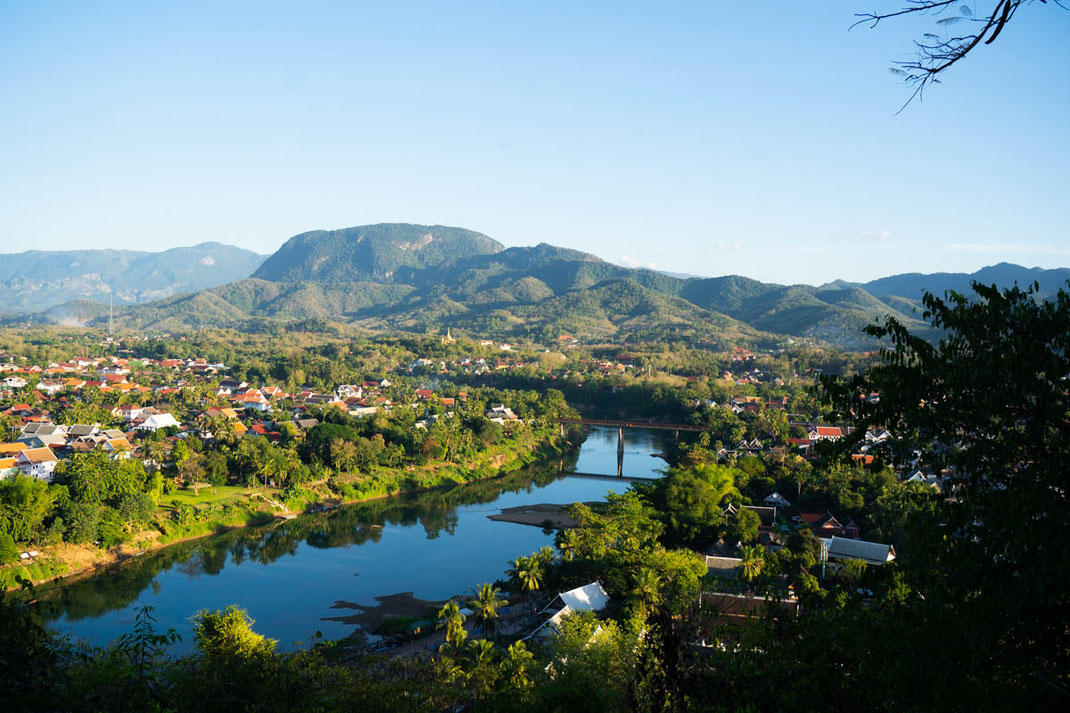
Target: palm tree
451 619
544 556
486 606
647 590
753 561
568 545
530 574
517 664
481 674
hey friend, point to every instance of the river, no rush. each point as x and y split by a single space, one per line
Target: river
309 574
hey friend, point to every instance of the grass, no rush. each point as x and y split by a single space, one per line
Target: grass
35 571
209 495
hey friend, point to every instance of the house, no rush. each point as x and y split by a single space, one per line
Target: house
229 386
117 448
51 386
845 549
500 414
361 411
736 609
752 446
822 433
767 515
37 463
826 525
39 434
9 467
723 567
590 597
253 399
10 450
777 500
877 435
14 382
127 412
80 430
157 421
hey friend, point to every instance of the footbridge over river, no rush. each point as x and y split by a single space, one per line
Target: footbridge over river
620 425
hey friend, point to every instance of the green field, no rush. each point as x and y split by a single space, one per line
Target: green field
211 495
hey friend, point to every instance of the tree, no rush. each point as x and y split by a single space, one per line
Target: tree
647 591
227 635
753 562
82 520
517 667
451 619
486 606
8 551
987 405
568 542
25 502
935 53
743 527
528 573
215 468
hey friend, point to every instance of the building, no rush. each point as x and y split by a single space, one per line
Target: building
157 421
844 549
37 463
590 597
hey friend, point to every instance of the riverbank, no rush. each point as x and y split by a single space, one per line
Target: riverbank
62 561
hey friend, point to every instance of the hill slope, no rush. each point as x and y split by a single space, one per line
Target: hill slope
371 252
417 277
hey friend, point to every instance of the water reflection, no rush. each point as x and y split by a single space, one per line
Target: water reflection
290 575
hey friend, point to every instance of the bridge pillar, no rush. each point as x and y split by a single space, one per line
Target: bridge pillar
620 452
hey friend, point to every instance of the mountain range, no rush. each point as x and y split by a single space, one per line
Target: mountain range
36 280
425 278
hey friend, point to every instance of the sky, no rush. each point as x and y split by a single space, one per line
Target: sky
708 138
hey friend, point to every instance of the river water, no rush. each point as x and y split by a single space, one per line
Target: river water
300 576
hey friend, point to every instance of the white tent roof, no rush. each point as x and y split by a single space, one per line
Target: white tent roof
590 597
551 625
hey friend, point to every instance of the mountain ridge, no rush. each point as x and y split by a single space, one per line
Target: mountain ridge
425 277
35 280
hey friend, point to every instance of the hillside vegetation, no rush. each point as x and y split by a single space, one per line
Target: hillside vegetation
427 278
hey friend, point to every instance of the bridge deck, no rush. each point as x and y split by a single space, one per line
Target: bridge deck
632 424
616 478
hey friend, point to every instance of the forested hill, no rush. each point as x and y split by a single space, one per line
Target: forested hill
37 280
371 252
418 277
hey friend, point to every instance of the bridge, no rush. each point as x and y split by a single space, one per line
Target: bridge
620 426
614 478
657 425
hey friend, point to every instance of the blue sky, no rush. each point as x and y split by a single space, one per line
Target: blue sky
712 138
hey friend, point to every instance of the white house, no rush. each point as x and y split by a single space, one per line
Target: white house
157 421
590 597
37 463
